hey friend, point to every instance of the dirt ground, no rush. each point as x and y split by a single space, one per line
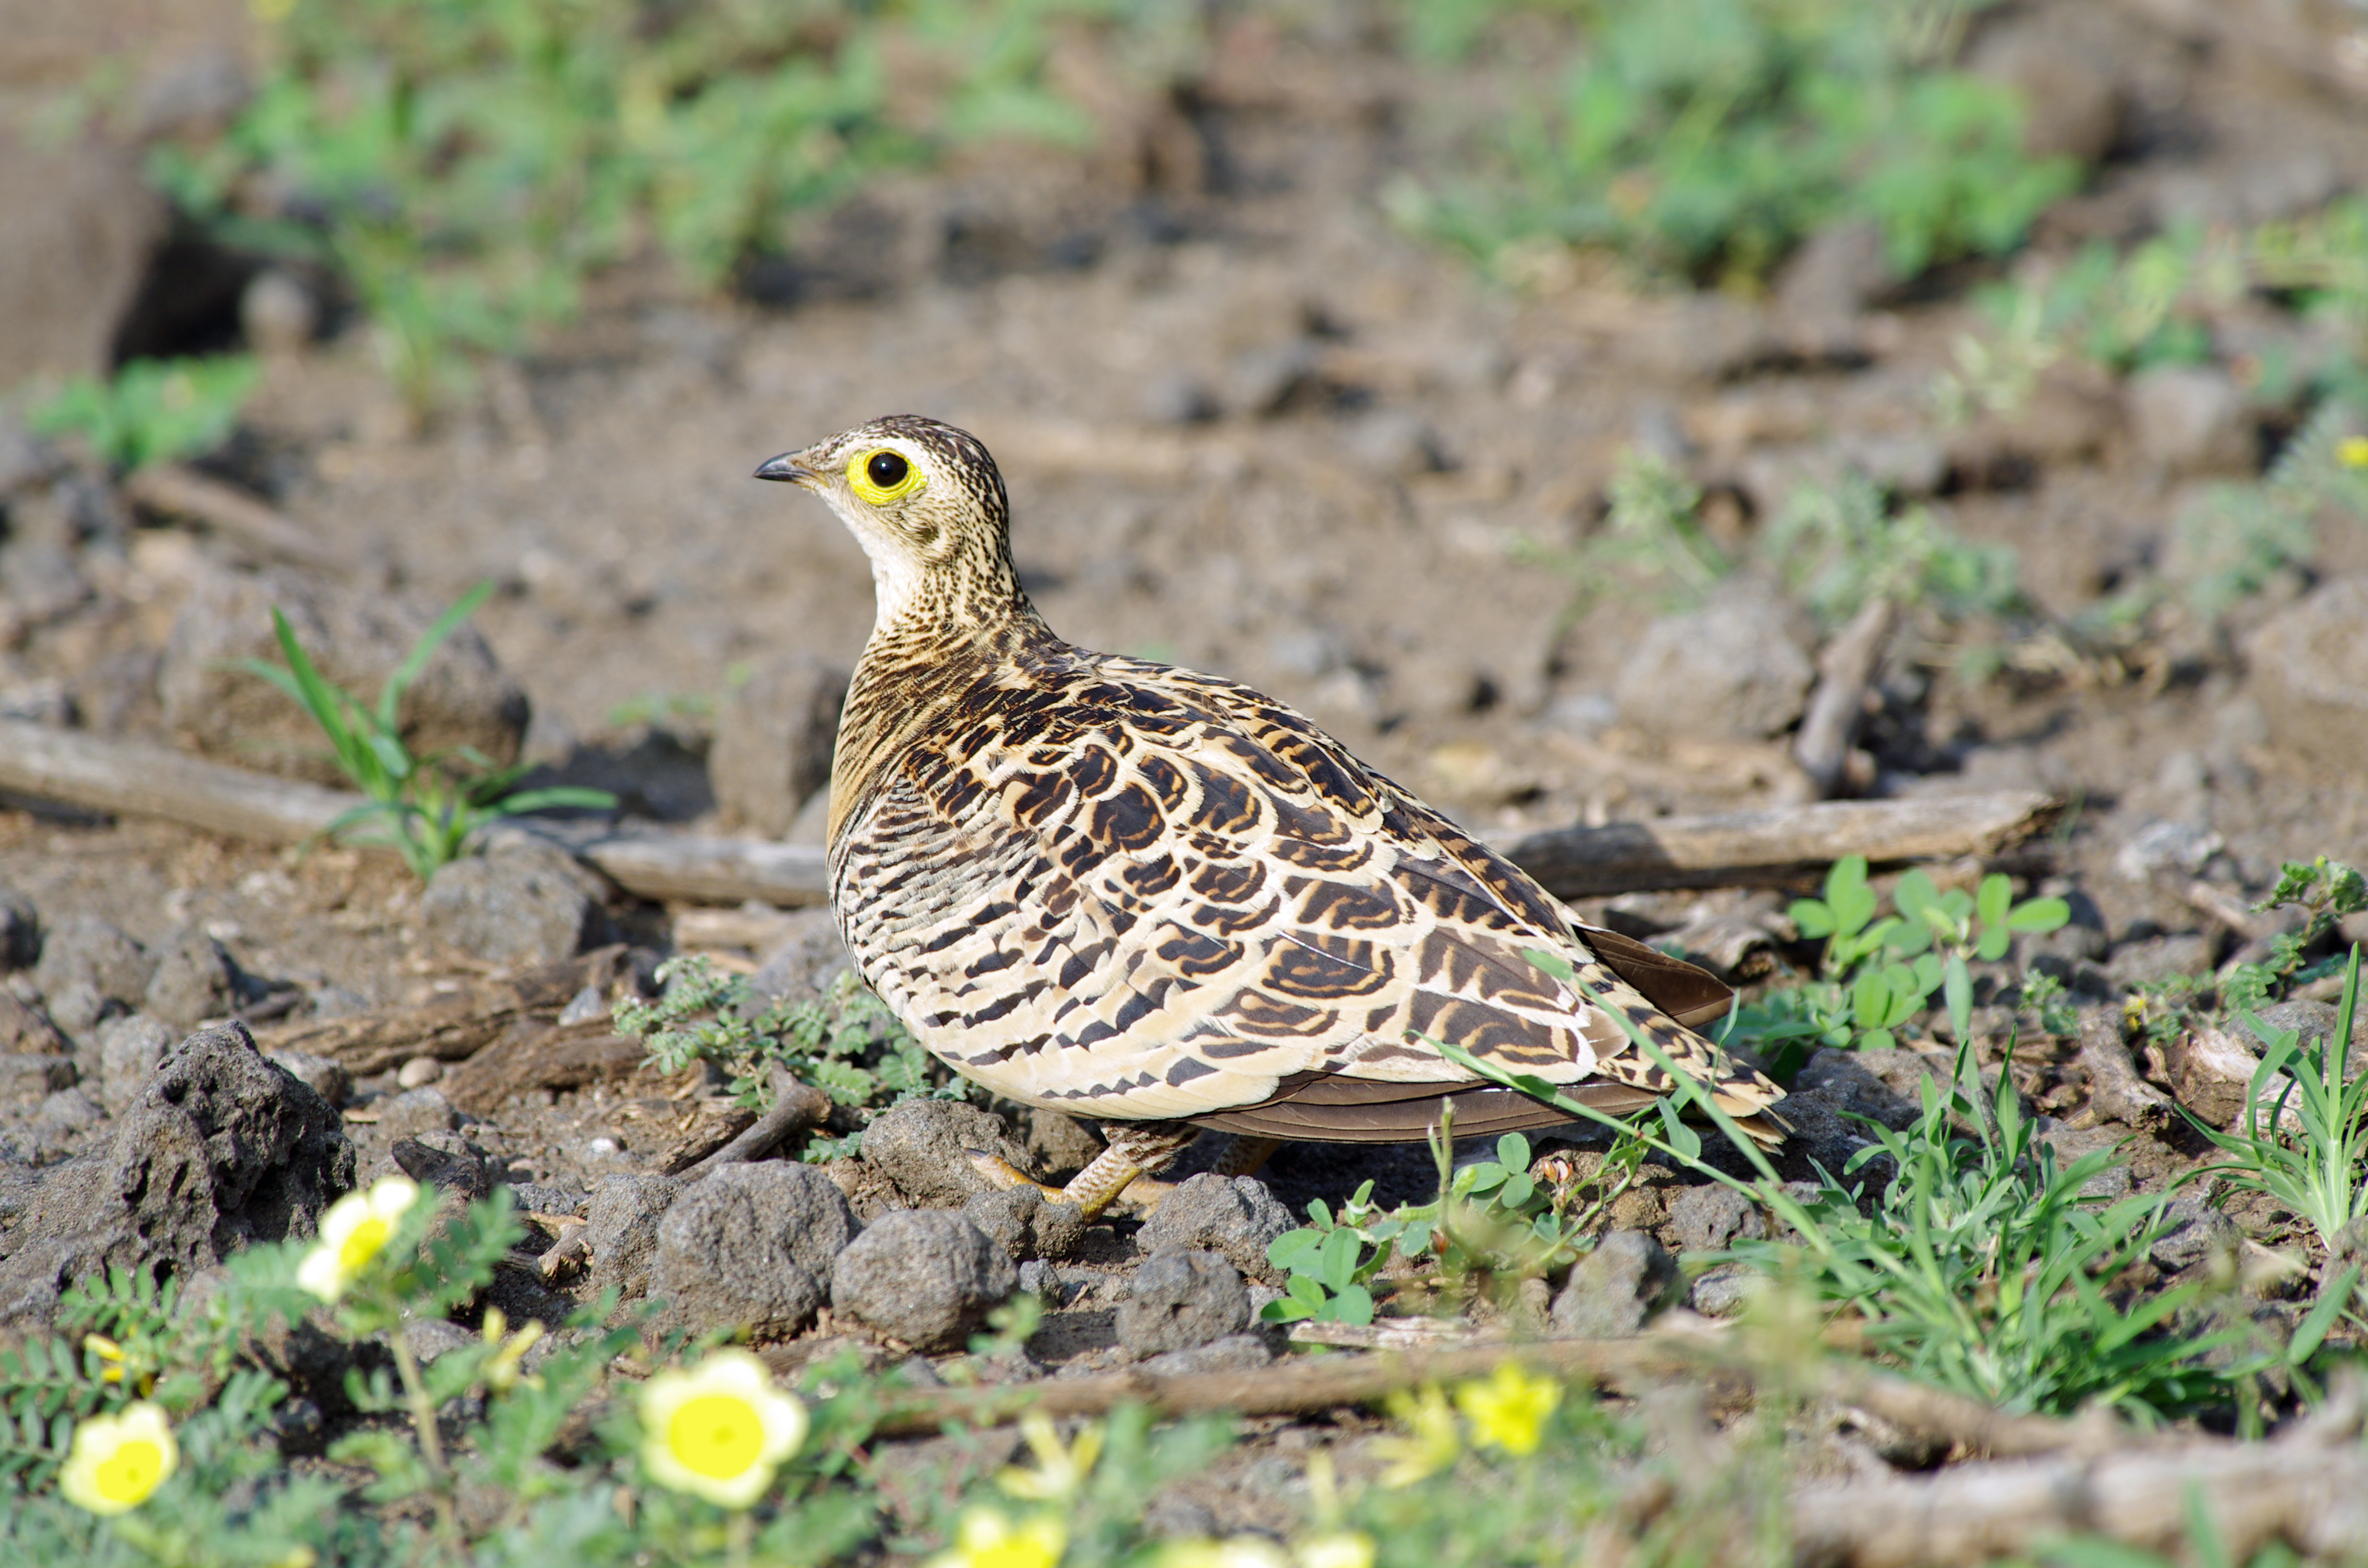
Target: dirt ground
1250 425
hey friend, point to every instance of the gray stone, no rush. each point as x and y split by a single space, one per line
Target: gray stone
924 1277
2189 419
1179 1299
1619 1288
521 902
357 637
219 1151
1836 274
1235 1353
798 966
416 1113
33 1078
621 1227
1722 1292
1705 1218
2158 958
1232 1215
560 1202
20 930
921 1147
1266 379
196 980
2198 1231
332 1081
89 968
419 1072
278 313
1022 1223
83 225
2314 1025
750 1247
2157 848
1729 670
25 1030
2309 667
1175 397
130 1048
774 732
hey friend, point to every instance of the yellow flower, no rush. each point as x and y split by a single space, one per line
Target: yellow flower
986 1539
1431 1449
2352 451
1233 1552
1508 1409
353 1231
108 1351
117 1461
1334 1549
1060 1473
718 1430
502 1371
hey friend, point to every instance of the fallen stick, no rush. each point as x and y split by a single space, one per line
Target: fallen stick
1741 849
1776 847
1623 1364
180 492
1845 670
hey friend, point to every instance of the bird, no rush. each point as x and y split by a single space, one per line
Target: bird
1167 902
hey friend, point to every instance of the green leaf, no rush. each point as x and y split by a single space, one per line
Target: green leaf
1992 902
1354 1304
1683 1138
1870 999
1812 917
1993 943
1306 1287
1519 1189
1852 901
1336 1263
1958 989
1513 1152
1914 893
2334 1297
1287 1250
2038 915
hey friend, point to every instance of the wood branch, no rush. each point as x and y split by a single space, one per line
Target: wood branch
451 1028
1777 847
1845 670
178 492
1623 1364
2308 1490
2116 1093
796 1106
1742 848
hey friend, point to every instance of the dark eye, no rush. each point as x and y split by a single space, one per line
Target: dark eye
886 469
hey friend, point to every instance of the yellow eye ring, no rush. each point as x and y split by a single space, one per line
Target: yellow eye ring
883 474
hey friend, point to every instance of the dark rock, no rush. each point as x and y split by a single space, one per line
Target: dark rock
21 931
330 1080
25 1030
919 1147
1864 1083
1616 1289
2199 1232
1232 1215
219 1151
750 1246
445 1161
1179 1299
89 969
621 1225
560 1202
1022 1223
130 1048
1235 1353
1730 670
521 902
1705 1218
196 980
417 1114
774 732
923 1277
2309 666
1059 1146
357 636
1722 1292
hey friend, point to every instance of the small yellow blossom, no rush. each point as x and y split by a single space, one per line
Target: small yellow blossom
353 1231
719 1430
1508 1409
117 1461
502 1371
1432 1448
2352 451
1060 1473
986 1539
1334 1549
108 1351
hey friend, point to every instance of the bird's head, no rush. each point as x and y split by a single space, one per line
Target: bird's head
924 500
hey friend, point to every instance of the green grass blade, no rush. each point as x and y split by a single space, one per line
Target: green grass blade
390 695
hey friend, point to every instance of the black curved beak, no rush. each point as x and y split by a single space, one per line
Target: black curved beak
786 467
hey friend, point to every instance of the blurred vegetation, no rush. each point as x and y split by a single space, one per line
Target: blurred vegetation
466 166
151 410
1708 138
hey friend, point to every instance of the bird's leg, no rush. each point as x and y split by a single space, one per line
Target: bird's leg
1247 1156
1132 1149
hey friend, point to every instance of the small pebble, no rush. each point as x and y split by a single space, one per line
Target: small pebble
420 1072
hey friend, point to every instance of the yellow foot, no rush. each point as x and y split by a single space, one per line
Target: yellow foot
1006 1175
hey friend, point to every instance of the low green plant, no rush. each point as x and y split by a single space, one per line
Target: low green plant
1653 534
151 411
1838 547
427 808
2325 890
845 1042
1710 137
2304 1139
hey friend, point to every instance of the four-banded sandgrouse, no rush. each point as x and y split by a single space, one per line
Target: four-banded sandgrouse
1163 901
